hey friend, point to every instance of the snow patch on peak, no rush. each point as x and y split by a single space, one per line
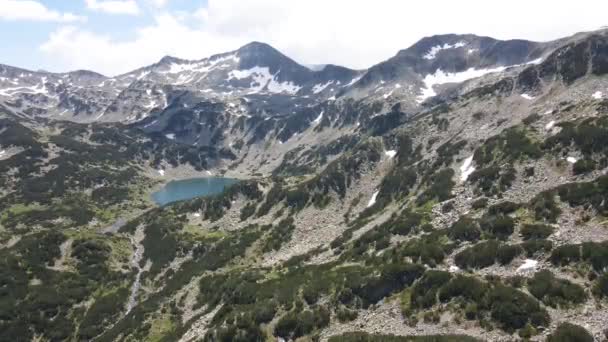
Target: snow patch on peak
441 77
597 95
170 136
262 78
142 74
432 53
550 125
320 87
571 160
353 81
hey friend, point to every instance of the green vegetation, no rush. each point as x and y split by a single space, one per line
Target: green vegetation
293 325
510 308
251 299
590 136
439 187
465 229
583 166
601 286
481 255
594 253
499 227
279 235
568 332
536 231
511 145
365 337
555 292
492 180
544 207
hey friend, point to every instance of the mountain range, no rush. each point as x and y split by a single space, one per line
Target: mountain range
457 191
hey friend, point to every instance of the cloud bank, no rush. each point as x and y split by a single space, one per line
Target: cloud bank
29 10
114 6
347 32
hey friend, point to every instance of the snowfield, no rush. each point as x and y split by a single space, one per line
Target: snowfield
372 200
263 79
466 169
390 154
318 119
527 97
528 264
432 53
441 77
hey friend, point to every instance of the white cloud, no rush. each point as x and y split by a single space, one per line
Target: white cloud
114 6
75 48
160 3
353 33
34 11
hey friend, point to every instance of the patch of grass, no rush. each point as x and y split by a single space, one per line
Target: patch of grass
160 327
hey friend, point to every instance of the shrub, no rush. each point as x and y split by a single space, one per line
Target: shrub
564 255
468 288
500 227
536 231
393 278
567 332
544 206
293 325
346 315
595 253
479 203
553 291
531 247
503 208
506 253
593 194
439 187
424 292
396 184
465 229
480 255
511 145
365 337
279 234
426 249
514 309
601 286
583 166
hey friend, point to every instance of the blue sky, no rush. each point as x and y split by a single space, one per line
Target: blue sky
116 36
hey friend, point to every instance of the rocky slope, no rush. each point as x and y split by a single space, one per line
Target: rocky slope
457 191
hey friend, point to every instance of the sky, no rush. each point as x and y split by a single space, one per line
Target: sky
117 36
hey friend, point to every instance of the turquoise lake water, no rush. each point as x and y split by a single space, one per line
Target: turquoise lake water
190 188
